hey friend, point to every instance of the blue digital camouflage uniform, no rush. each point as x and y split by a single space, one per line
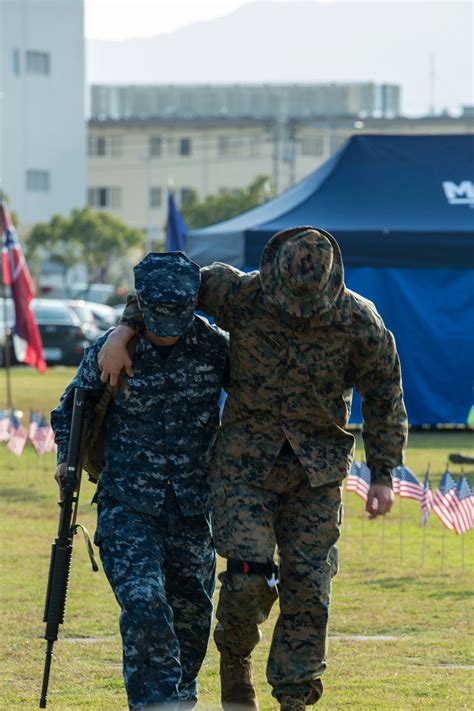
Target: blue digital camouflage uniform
153 527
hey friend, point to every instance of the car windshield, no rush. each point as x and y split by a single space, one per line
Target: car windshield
53 313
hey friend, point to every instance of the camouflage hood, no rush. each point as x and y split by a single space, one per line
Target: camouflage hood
301 272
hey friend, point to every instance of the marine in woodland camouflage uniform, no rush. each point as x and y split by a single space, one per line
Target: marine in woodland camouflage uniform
300 341
153 527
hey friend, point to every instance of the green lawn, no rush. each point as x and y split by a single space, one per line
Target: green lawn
402 602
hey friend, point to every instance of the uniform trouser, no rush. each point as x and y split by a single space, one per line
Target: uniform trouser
304 523
162 571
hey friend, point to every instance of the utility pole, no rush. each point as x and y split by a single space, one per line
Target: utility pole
148 225
432 85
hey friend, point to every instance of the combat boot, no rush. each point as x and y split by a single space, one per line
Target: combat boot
292 703
237 689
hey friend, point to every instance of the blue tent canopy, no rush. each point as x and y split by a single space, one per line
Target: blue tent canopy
402 210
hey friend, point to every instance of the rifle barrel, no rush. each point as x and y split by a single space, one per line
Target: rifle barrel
61 552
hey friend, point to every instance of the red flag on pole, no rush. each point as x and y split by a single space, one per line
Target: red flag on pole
17 276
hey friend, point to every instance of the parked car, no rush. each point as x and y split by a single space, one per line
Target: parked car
98 293
87 318
7 320
61 331
62 334
105 316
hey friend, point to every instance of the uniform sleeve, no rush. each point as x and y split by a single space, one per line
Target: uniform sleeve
220 284
88 378
132 316
379 384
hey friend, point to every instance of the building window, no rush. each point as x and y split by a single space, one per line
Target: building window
312 146
38 62
105 197
223 146
37 181
155 145
16 61
185 194
184 146
100 146
97 146
155 197
254 147
230 147
115 146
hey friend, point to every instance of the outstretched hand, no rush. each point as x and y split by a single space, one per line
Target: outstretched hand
114 357
379 500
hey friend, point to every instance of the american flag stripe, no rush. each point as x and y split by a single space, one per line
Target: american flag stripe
17 441
442 508
351 483
410 491
396 480
462 517
462 506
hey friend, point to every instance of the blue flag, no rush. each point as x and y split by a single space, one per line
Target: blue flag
176 228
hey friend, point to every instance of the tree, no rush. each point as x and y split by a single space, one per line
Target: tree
4 198
92 239
216 208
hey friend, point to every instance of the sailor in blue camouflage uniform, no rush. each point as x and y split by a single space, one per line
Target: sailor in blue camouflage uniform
153 528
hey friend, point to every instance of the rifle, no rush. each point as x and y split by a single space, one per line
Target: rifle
61 552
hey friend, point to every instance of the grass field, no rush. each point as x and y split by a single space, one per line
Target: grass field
401 612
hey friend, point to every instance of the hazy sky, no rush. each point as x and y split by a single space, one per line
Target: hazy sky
141 18
415 49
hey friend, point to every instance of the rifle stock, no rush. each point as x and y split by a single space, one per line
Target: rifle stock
61 552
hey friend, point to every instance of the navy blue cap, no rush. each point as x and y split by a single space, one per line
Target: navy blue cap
167 286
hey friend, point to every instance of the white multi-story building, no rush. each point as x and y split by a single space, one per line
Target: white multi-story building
42 128
133 161
298 100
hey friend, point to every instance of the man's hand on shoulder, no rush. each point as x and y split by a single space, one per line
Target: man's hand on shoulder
113 356
379 500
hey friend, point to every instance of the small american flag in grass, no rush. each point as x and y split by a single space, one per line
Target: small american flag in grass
462 506
427 499
396 479
18 436
358 480
410 487
442 499
351 481
40 434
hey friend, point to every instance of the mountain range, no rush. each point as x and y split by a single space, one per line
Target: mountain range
424 46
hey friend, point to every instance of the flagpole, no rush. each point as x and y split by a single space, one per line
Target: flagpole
401 529
423 545
383 536
443 538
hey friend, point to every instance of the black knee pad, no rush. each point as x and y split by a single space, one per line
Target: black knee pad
268 570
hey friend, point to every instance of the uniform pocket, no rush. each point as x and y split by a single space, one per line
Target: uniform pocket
200 409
